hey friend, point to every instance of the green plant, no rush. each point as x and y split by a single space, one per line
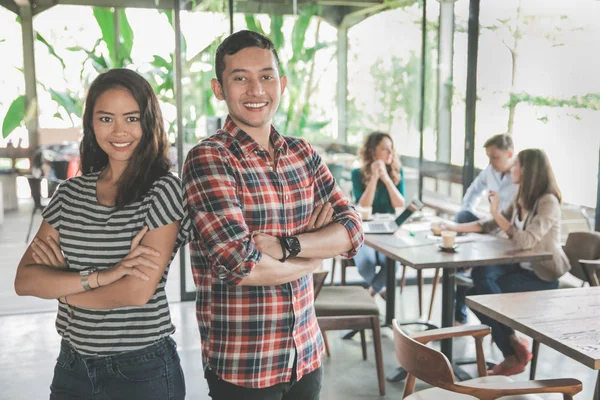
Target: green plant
104 55
197 94
295 116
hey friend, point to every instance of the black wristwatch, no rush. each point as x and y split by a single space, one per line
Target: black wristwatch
292 245
283 248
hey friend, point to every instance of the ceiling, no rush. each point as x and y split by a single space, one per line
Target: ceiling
333 11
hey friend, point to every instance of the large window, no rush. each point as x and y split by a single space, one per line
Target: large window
538 80
384 75
12 82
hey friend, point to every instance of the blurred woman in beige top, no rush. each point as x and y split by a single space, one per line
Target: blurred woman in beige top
532 221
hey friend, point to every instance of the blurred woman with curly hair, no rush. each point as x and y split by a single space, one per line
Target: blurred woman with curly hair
378 183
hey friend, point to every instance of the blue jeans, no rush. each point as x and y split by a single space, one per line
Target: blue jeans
307 388
464 216
366 260
508 278
153 372
460 307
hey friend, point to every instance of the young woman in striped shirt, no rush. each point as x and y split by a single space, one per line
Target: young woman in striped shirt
104 249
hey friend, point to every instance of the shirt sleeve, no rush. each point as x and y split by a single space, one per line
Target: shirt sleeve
546 217
326 189
52 212
167 206
211 196
401 183
358 187
474 191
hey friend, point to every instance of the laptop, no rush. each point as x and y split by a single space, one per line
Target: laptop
390 227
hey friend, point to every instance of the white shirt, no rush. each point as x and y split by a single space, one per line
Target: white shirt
490 179
521 226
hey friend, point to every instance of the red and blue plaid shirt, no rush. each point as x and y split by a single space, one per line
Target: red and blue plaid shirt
252 334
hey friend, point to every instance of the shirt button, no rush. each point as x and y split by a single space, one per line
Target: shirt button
287 197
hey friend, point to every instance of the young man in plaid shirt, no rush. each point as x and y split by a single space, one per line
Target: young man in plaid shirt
267 211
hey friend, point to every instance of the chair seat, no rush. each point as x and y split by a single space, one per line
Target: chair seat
437 393
344 300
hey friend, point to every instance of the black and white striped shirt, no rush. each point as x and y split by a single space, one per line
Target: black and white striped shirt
97 236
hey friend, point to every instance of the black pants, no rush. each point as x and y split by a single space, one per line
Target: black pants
307 388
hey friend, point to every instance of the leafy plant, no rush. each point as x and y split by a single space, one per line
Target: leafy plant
14 116
294 116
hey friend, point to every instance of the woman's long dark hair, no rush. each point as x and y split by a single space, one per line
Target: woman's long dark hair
367 156
537 178
150 159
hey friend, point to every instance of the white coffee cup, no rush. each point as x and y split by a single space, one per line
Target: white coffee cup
365 212
436 228
448 239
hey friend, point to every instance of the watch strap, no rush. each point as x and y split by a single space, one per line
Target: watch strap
84 277
283 248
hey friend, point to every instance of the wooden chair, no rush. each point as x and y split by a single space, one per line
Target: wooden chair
431 366
349 307
583 251
345 263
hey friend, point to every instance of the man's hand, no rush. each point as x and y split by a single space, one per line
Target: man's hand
268 245
322 216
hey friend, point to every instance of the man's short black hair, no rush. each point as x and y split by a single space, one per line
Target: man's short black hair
239 41
501 141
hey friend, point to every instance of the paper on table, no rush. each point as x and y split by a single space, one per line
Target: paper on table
469 237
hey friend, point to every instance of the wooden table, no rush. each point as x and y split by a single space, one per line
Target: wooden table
563 319
420 253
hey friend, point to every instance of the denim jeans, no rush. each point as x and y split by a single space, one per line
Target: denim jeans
307 388
366 261
508 278
153 372
460 307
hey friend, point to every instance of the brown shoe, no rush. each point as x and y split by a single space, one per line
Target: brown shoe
522 351
510 366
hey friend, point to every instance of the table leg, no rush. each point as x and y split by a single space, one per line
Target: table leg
390 292
597 391
448 298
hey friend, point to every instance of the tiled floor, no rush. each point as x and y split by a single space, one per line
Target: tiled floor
30 343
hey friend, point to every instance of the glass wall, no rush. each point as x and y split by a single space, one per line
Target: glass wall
384 71
12 81
538 80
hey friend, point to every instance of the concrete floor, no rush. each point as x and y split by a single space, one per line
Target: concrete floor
30 343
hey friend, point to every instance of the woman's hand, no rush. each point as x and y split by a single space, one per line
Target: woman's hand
48 252
383 173
494 200
375 170
130 264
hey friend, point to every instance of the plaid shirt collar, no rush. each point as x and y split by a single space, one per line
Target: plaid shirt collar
248 144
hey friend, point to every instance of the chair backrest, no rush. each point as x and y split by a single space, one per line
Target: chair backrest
318 281
582 246
35 186
421 361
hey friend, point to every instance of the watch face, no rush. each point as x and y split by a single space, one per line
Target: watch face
293 243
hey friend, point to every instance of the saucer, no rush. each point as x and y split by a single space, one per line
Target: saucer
452 249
